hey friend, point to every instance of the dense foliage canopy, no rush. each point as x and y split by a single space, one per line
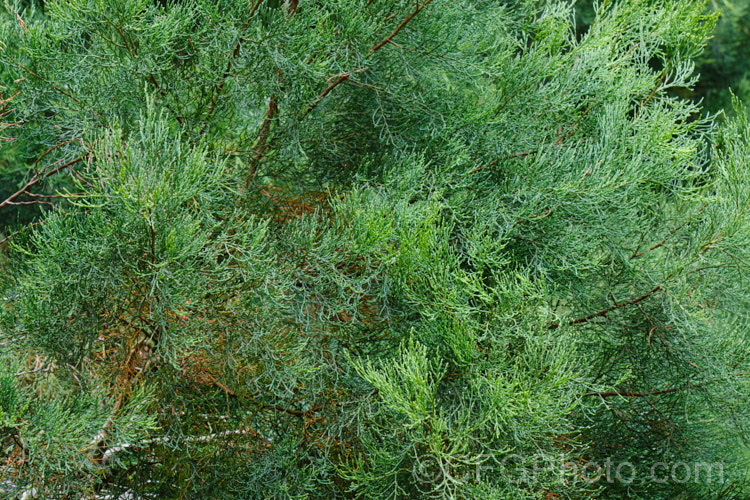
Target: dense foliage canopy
723 64
370 249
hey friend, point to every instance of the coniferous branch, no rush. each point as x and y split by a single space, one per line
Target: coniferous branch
291 5
4 111
334 82
37 178
604 312
631 394
34 202
403 23
51 149
655 392
370 311
653 247
341 78
222 80
659 81
111 452
17 16
58 89
261 145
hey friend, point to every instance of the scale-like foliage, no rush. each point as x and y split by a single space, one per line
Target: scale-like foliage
372 249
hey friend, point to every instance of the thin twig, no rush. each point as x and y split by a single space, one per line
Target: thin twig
669 235
606 311
653 93
294 413
52 149
110 452
419 8
345 76
334 82
633 394
34 202
47 81
36 180
261 145
38 370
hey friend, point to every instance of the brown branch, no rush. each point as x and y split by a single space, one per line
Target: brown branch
658 245
514 155
521 155
36 180
35 202
341 78
507 100
334 82
224 388
289 411
47 81
4 111
18 18
669 235
78 176
345 76
633 394
292 6
124 39
606 311
294 413
483 167
630 394
653 92
408 18
560 140
38 370
108 453
543 213
158 87
261 145
52 149
6 101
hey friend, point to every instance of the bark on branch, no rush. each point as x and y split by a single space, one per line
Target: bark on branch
36 179
345 76
606 311
630 394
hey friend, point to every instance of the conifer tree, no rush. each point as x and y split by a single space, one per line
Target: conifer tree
371 249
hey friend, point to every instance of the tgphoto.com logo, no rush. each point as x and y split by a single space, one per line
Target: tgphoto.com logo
520 469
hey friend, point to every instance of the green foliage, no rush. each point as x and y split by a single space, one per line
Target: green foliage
724 62
13 167
721 66
371 249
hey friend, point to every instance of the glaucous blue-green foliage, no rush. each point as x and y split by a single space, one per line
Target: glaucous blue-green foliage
371 249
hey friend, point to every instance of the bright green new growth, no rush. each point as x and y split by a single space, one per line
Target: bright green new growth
371 249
